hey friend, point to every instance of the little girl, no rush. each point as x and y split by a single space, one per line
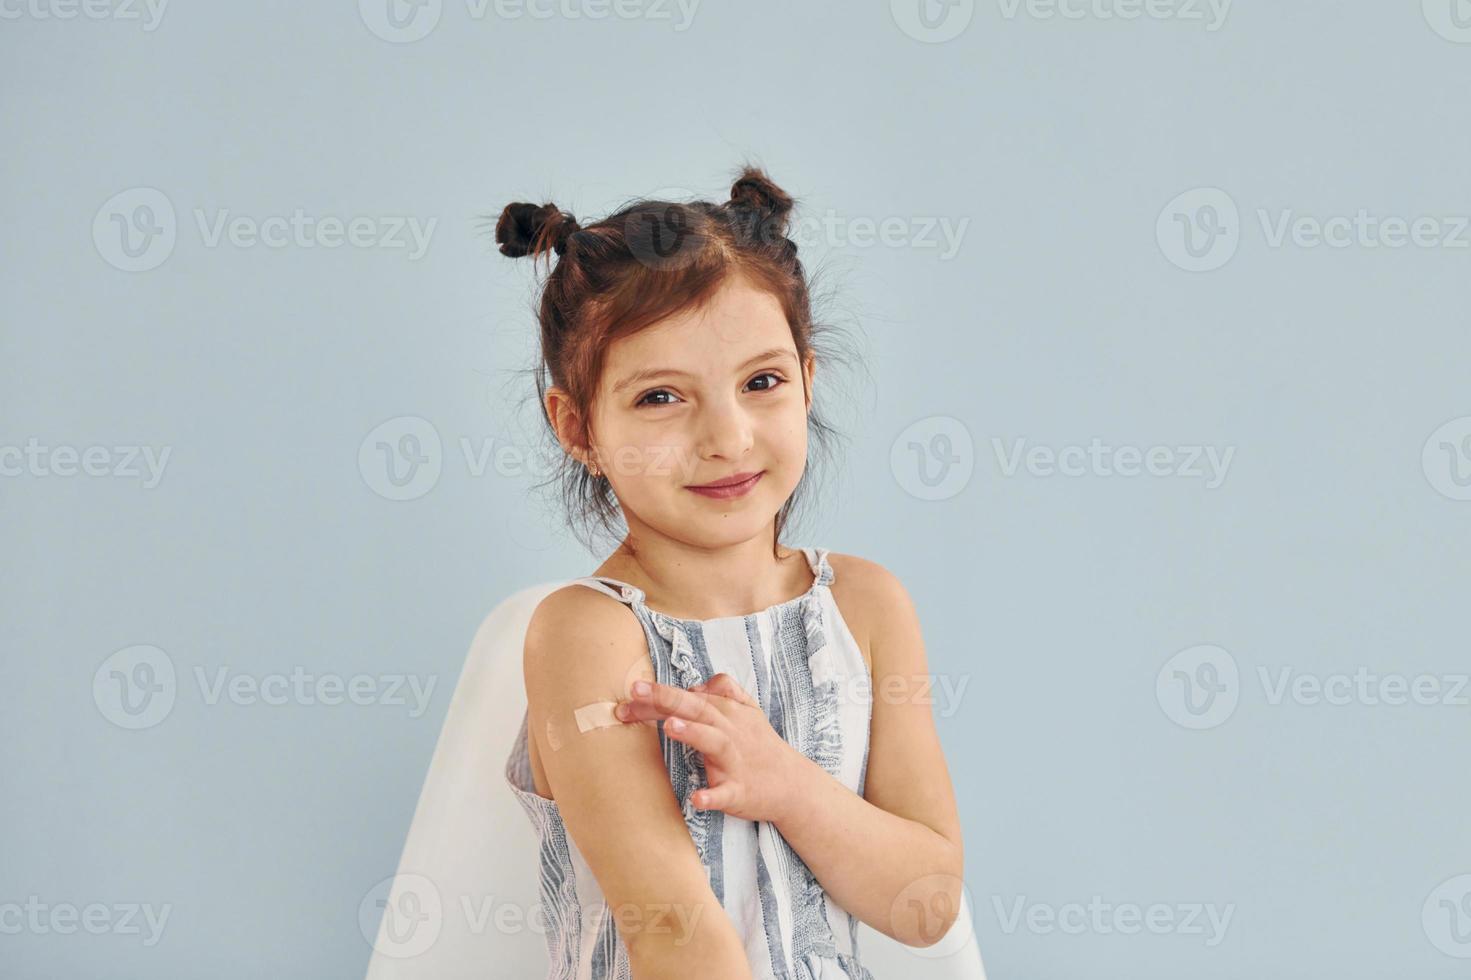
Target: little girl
727 781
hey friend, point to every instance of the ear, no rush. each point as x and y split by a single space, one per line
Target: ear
562 415
809 367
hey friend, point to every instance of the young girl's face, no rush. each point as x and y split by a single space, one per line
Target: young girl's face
698 398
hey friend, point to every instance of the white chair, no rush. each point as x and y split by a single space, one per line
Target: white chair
460 905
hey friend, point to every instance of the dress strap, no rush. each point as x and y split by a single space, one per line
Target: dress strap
817 559
621 591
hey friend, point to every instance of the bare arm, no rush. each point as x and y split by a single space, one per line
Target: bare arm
905 828
614 794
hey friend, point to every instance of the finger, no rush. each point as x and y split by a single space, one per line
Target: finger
705 739
714 797
649 707
633 712
676 701
726 686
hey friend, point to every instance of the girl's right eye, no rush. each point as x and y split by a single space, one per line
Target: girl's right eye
657 391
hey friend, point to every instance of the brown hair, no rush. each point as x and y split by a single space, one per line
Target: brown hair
647 261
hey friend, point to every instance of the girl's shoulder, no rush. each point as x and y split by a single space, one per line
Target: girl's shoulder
861 576
577 618
867 595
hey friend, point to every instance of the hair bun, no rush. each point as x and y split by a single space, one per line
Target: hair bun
528 229
757 194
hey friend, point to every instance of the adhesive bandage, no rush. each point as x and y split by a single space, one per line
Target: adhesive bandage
598 714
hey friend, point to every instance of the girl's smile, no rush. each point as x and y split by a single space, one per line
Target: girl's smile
726 490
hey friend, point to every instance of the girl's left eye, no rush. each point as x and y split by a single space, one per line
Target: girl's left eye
770 374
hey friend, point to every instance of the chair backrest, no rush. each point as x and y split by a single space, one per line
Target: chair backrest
466 887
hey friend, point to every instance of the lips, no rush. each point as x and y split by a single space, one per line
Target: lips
732 486
727 482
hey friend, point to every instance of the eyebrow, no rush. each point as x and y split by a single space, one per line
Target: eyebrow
651 373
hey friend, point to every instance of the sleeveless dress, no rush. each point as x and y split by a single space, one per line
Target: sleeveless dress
799 660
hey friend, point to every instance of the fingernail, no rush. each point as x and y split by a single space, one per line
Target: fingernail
641 688
677 724
621 712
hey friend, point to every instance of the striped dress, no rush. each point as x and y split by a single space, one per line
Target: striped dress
800 661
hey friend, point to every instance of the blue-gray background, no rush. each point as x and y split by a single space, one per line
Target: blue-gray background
1337 376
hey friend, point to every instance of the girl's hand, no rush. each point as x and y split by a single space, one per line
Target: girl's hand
753 772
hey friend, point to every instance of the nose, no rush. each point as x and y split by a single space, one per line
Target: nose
725 431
